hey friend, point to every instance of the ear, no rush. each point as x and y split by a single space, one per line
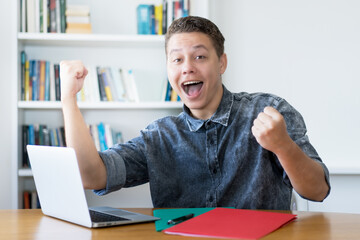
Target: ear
223 63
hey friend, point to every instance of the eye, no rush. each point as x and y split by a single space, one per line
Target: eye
200 57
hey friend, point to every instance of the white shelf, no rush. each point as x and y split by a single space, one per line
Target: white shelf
333 171
90 40
101 105
344 170
25 172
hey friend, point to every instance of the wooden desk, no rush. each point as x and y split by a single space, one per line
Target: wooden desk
32 224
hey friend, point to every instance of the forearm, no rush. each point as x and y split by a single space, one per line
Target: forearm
77 135
306 175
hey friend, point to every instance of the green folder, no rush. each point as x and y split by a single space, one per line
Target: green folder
166 214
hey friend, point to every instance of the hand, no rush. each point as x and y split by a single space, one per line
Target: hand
270 132
72 75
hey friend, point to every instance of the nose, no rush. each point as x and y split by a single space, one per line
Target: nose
188 67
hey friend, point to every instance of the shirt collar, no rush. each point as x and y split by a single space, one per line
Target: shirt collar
221 115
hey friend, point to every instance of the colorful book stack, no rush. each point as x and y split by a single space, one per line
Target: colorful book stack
170 95
42 16
30 200
154 19
109 84
40 134
40 80
78 19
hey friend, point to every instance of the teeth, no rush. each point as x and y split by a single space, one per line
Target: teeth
191 82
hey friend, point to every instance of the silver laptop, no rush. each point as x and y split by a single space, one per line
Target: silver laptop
61 193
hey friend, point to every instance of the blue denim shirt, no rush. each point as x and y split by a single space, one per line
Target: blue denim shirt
208 163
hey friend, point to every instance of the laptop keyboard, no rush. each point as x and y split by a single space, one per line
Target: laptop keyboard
103 217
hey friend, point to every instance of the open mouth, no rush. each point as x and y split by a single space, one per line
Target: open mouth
192 88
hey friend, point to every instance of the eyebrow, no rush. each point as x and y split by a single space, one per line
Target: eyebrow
199 46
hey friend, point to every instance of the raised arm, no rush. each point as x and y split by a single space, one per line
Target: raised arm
306 175
92 168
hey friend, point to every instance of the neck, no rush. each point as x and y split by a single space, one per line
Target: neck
210 109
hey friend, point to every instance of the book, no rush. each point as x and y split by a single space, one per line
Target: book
159 19
78 28
27 81
232 223
42 66
118 83
57 82
95 135
45 14
165 16
62 16
52 82
25 140
78 19
143 13
47 81
52 12
23 15
23 72
101 132
101 85
130 85
26 199
77 10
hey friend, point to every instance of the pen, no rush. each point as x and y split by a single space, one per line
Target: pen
180 219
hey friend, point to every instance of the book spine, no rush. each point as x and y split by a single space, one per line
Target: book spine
23 15
165 17
57 82
41 20
47 81
42 65
26 199
35 80
95 136
102 141
30 16
25 139
27 81
108 136
62 16
45 16
37 16
23 70
101 84
107 87
118 85
53 16
58 16
52 82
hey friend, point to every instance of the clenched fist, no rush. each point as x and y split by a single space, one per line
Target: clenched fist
270 131
72 75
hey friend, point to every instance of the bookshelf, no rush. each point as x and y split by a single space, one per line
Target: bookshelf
112 43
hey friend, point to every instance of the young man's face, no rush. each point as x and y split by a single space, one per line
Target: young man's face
194 71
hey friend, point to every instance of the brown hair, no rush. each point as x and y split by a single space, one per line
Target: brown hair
197 24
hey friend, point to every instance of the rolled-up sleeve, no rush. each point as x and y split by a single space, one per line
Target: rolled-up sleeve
115 172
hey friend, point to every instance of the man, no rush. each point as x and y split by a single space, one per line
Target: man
225 149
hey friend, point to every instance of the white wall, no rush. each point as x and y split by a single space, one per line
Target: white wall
307 52
6 59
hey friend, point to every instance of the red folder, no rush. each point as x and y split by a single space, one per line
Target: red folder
232 223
